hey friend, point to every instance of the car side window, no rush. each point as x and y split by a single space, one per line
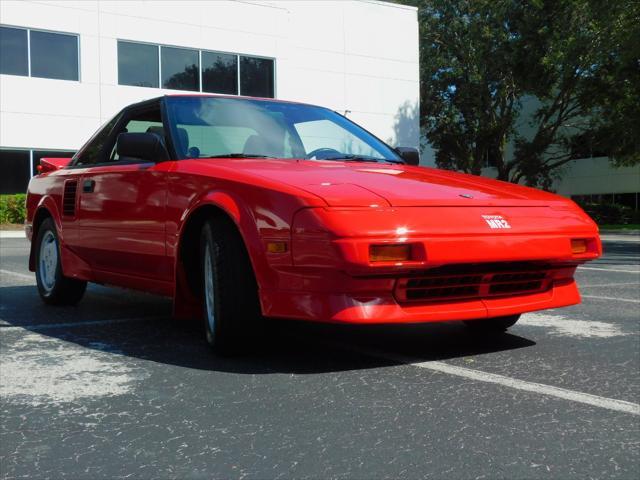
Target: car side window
93 151
148 121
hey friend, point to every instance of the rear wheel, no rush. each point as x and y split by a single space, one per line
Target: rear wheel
492 325
54 288
229 290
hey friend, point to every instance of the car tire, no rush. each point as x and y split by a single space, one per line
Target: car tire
492 325
230 305
54 288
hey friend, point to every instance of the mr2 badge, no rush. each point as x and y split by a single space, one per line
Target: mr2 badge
496 221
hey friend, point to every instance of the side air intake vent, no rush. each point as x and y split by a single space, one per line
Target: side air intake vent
69 198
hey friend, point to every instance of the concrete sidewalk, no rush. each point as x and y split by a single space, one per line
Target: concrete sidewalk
12 234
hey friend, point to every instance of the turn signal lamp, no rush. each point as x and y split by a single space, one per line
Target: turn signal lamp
578 246
276 247
390 253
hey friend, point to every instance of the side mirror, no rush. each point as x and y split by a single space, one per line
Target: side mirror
410 155
143 146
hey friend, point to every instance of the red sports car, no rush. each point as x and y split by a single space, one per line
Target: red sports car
243 208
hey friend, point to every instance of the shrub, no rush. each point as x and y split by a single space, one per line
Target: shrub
610 213
12 208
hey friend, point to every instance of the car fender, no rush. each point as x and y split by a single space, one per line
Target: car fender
244 219
46 203
185 302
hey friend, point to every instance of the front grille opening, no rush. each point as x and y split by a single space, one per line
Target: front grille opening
474 281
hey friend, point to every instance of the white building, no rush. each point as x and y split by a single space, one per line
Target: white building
68 66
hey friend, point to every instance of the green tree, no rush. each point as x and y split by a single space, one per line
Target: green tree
480 59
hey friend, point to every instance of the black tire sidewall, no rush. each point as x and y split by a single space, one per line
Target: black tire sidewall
237 312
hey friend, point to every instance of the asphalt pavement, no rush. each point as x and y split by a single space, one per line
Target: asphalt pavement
114 388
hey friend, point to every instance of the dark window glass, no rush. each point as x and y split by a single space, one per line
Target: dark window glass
93 151
149 121
137 64
15 171
219 73
54 55
256 77
13 51
180 69
38 154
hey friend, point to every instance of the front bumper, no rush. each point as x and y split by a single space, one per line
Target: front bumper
349 308
330 276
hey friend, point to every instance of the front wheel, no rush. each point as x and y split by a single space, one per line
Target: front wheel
229 289
54 288
492 325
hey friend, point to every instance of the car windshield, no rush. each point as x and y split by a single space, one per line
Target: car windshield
215 127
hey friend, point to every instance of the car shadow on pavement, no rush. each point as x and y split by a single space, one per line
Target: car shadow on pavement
147 333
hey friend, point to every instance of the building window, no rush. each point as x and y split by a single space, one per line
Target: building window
54 55
180 69
256 77
18 166
138 64
631 200
219 73
13 51
44 54
146 65
16 171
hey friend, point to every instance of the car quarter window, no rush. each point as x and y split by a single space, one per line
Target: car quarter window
92 152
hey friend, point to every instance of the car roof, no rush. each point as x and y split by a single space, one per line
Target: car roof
215 95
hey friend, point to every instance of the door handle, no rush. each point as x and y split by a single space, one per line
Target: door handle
88 186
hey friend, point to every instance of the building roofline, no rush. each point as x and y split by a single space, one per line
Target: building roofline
391 4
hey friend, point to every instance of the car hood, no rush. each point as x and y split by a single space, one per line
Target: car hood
364 184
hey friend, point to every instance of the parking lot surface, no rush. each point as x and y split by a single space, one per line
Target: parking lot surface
114 388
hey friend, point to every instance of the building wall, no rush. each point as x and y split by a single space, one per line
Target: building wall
355 56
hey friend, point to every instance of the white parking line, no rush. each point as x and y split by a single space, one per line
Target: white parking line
597 297
476 375
18 275
539 388
609 284
49 326
561 325
523 385
617 270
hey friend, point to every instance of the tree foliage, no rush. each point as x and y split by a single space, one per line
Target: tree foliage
573 64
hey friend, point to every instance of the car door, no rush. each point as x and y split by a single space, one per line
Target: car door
121 209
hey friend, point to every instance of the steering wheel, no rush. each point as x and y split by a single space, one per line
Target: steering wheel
322 153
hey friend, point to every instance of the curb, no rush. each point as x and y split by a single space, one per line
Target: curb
12 234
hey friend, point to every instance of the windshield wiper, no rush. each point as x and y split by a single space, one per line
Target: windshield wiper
237 155
360 158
